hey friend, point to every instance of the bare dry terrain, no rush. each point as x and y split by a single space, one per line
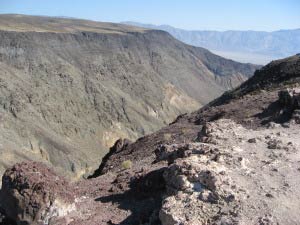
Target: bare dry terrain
235 161
70 88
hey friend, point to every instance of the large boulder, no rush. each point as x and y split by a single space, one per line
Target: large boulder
33 194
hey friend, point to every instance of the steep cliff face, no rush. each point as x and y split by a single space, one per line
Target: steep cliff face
70 88
235 161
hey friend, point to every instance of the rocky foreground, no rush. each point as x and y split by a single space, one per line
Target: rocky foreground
235 161
240 176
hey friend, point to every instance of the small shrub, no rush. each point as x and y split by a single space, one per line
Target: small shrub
127 164
185 131
167 137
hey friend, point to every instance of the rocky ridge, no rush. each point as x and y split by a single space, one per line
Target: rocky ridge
219 182
70 88
224 164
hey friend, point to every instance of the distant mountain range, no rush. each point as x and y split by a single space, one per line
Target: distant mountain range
245 46
70 88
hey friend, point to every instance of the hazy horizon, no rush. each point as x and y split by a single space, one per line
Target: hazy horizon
137 22
216 15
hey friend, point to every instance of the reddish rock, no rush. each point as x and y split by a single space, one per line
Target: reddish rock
33 194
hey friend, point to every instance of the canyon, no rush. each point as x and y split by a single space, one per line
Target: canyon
70 88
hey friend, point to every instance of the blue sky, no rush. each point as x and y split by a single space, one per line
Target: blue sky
265 15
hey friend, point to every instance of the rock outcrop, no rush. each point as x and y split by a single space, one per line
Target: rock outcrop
70 88
290 98
229 180
33 194
237 181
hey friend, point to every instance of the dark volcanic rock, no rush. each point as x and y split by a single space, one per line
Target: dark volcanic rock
32 194
116 148
4 220
290 98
